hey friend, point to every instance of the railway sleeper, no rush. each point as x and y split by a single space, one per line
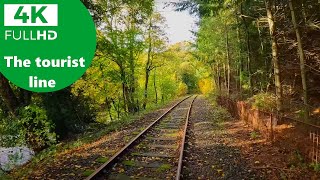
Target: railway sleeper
163 138
126 177
155 146
152 154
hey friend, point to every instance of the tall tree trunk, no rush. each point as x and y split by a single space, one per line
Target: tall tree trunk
249 58
132 106
126 95
275 58
147 68
24 97
240 68
228 60
302 60
155 85
109 106
219 77
240 56
304 14
214 76
248 49
262 47
124 90
8 95
146 89
225 74
132 81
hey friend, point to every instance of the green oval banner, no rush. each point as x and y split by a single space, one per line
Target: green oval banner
45 45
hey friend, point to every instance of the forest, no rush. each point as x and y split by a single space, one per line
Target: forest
134 69
265 52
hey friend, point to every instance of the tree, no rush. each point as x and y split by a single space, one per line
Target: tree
275 58
302 59
8 95
120 41
156 41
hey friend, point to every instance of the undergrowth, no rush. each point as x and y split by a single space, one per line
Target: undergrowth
263 101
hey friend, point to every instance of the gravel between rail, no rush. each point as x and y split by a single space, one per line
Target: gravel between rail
207 156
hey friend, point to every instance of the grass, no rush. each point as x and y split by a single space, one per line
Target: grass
164 167
91 135
3 176
87 173
135 154
102 159
136 132
315 167
142 145
254 135
176 134
129 163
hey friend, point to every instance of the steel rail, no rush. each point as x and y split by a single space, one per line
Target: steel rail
178 175
113 159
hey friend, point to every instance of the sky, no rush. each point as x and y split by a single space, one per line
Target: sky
180 23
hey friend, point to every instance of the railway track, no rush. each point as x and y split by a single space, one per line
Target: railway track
155 153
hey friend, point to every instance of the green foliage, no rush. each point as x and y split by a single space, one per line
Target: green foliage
245 81
296 159
4 176
263 101
182 89
128 163
302 114
168 88
102 160
31 127
254 135
221 114
164 167
87 172
68 112
11 132
315 166
37 128
191 81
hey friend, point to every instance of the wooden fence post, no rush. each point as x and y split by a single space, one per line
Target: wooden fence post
271 128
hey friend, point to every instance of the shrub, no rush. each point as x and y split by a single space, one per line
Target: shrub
37 127
11 132
221 114
31 127
206 86
70 114
263 101
182 89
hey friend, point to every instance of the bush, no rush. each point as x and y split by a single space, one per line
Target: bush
69 114
182 89
263 101
168 89
221 114
206 86
31 127
11 132
38 129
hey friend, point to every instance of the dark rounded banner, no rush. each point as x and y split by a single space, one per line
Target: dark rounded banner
45 45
